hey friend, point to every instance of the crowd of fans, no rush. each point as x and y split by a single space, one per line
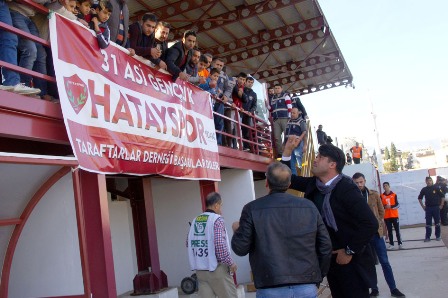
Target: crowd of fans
148 38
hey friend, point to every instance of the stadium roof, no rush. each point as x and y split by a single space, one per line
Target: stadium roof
287 42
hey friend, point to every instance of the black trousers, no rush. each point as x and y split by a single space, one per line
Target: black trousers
356 160
354 279
443 214
395 222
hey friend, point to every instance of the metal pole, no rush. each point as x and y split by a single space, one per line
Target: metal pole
377 134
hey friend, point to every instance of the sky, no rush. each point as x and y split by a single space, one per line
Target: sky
397 52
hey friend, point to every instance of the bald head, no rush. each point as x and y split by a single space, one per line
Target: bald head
278 176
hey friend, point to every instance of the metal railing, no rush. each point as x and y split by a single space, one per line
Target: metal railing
41 9
257 140
310 152
258 137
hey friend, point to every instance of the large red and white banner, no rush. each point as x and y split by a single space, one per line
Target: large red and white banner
122 116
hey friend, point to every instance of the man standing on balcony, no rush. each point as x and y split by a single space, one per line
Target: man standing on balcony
8 53
349 220
161 36
296 102
179 55
296 127
192 68
224 91
119 22
250 106
280 108
32 54
142 39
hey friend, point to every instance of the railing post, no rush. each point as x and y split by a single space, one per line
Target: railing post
238 126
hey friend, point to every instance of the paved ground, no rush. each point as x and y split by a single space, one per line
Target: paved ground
420 269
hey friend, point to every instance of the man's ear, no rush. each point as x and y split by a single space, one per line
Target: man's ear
333 165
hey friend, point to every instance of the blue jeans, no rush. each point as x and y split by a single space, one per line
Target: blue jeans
297 291
32 55
296 158
219 121
8 45
430 213
379 245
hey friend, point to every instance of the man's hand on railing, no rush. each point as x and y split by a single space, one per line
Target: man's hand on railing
162 65
290 145
131 52
156 53
184 76
83 22
213 83
202 80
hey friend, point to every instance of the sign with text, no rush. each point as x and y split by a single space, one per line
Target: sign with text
123 116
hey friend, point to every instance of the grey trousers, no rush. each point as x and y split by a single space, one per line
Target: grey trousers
218 283
279 129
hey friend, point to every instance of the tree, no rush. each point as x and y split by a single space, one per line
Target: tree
393 158
386 153
409 162
393 151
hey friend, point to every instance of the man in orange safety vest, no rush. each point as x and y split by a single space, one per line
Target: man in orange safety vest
356 153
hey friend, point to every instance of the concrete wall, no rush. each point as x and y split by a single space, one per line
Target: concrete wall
47 260
123 244
260 188
178 202
407 186
237 189
368 170
48 253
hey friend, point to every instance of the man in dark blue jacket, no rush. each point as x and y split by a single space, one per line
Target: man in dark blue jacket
349 220
249 106
287 242
179 55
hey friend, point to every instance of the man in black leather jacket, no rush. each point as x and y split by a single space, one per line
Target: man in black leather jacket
349 220
288 245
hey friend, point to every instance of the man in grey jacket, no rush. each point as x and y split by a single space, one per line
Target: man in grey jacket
288 245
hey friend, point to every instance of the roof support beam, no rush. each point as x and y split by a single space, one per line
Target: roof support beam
295 66
173 9
275 46
268 36
325 86
234 16
308 74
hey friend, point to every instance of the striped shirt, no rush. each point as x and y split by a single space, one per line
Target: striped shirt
120 35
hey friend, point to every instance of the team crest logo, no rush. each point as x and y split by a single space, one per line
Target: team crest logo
199 228
200 224
77 92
